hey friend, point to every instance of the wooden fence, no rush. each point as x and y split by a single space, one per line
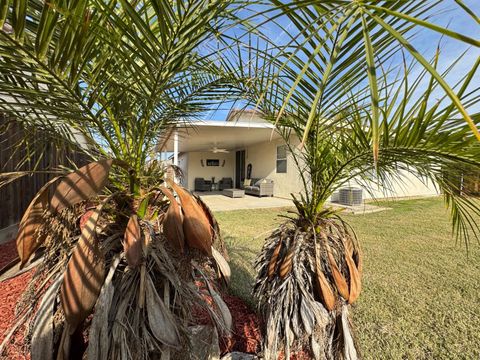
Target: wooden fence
15 196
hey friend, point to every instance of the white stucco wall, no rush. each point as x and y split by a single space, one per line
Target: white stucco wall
195 168
183 164
407 185
263 158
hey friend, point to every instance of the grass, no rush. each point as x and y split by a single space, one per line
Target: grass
421 290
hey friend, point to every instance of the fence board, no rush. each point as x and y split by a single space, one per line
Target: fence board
16 196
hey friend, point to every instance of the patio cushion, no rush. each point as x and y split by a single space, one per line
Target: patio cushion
262 181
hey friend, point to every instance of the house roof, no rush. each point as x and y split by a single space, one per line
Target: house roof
204 135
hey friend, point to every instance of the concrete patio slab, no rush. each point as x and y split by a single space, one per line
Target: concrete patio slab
216 201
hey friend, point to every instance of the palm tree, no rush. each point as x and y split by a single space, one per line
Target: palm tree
107 78
356 120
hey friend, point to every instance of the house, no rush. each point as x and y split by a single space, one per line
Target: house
218 149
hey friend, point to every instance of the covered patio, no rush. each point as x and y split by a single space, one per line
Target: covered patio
214 150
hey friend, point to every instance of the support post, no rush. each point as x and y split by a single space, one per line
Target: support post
175 148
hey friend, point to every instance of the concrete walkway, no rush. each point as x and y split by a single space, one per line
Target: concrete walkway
218 202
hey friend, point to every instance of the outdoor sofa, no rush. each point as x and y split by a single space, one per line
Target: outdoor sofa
260 187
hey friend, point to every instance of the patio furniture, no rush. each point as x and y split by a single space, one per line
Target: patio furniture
202 185
260 187
234 193
225 183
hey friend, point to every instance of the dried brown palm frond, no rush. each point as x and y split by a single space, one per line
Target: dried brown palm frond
304 285
196 227
117 260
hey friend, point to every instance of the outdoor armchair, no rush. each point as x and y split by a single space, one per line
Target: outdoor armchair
225 183
202 185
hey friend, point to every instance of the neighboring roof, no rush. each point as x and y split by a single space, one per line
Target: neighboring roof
248 115
204 135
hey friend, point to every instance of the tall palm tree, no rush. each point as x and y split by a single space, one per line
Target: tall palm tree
348 117
106 78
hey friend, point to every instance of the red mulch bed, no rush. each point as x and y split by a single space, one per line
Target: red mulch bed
10 291
246 335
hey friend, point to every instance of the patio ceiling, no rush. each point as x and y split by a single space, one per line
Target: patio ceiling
204 135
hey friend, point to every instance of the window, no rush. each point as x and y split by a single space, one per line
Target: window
282 159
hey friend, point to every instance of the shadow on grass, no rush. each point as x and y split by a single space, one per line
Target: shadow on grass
243 273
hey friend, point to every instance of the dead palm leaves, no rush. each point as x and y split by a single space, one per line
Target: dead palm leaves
84 275
77 186
153 271
173 222
132 242
160 319
196 227
27 241
307 276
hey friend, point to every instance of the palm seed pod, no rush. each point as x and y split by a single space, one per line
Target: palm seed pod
80 185
325 291
355 279
357 258
222 265
132 243
354 252
340 282
287 262
273 261
173 222
196 227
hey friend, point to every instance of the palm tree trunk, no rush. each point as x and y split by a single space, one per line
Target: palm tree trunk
304 287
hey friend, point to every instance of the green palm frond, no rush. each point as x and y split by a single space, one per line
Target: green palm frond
371 33
115 73
413 124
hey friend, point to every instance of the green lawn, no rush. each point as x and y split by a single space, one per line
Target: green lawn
421 291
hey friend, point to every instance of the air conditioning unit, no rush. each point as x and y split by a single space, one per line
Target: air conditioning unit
335 198
350 196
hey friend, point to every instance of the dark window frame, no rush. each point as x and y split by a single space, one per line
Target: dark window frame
282 169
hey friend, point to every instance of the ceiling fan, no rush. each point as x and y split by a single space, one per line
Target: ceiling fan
219 150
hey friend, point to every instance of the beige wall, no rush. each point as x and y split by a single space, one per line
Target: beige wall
406 185
263 158
195 168
183 164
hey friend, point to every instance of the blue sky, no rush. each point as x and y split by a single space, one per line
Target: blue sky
425 42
